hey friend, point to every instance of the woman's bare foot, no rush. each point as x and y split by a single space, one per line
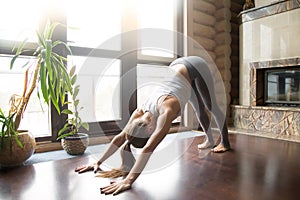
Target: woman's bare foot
220 149
205 144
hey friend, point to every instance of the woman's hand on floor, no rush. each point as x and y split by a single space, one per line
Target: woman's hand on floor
116 187
84 168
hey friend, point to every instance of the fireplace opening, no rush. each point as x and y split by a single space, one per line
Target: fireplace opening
282 87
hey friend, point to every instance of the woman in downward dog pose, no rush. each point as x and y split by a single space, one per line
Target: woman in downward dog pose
191 81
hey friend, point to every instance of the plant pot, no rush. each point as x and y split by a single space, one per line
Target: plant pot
16 156
75 144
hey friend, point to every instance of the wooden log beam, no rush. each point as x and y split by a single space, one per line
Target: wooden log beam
207 55
222 26
223 13
207 43
203 18
223 38
205 7
223 50
203 30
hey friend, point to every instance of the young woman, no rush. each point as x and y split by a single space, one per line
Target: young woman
191 81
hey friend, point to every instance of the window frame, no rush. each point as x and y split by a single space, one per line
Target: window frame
127 63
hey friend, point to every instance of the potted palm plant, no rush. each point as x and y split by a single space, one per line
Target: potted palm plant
53 79
74 141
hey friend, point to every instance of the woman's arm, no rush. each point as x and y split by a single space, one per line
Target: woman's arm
117 141
113 146
164 123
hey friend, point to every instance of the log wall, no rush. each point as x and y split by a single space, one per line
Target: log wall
214 25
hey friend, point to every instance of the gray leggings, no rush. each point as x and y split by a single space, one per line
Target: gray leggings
203 98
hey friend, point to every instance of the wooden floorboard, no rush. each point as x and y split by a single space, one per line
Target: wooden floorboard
256 168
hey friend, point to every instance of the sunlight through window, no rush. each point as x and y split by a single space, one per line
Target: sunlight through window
159 15
37 110
20 19
95 23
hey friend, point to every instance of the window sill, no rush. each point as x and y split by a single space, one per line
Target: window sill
53 146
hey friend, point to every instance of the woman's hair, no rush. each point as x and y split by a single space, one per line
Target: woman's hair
137 137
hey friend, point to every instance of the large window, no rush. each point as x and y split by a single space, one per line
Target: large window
20 19
111 64
36 117
99 80
92 22
157 14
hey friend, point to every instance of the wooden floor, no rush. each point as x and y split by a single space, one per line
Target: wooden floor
256 168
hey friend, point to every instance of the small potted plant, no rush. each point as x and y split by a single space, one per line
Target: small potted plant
50 73
16 147
73 141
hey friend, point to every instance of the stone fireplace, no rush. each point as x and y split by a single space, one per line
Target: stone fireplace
269 42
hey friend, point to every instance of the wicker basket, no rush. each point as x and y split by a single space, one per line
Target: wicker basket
16 155
75 144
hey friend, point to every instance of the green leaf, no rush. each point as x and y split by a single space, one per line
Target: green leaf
76 112
67 102
21 47
85 125
38 50
8 130
71 121
19 143
46 29
58 83
58 42
67 111
76 103
72 71
53 97
50 29
63 97
66 127
25 64
12 62
40 102
41 39
44 55
59 57
47 58
43 83
66 135
63 71
76 91
73 80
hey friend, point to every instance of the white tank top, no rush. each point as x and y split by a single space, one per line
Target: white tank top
176 86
